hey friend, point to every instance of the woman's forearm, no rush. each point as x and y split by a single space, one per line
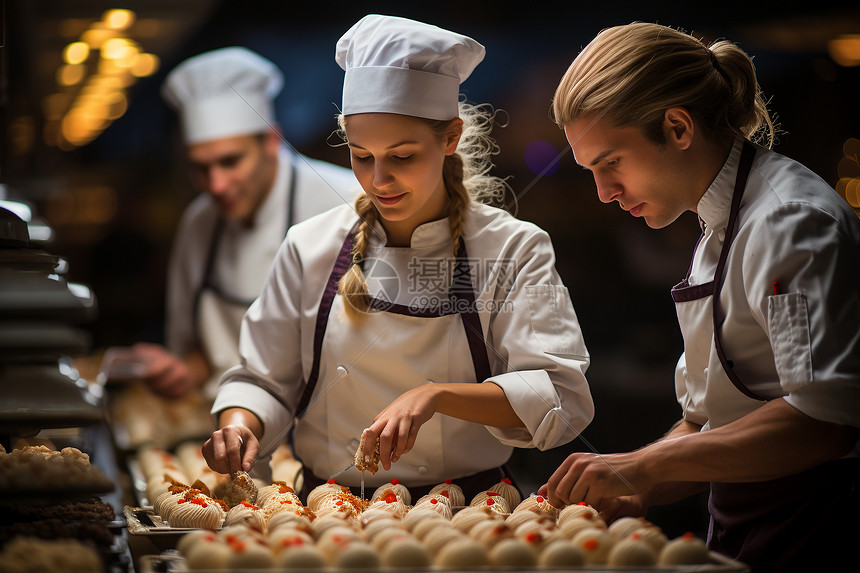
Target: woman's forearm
484 403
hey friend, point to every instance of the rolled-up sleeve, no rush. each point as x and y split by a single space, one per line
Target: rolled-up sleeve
536 345
813 324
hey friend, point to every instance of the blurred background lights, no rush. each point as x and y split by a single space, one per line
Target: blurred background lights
76 53
118 19
542 157
848 170
845 49
87 104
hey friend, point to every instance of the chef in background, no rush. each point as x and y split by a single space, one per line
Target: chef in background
769 381
253 188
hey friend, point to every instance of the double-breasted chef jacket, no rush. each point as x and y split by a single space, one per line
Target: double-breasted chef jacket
771 309
218 266
533 341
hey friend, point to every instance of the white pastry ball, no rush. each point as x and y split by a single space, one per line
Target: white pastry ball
561 554
358 555
406 553
595 543
422 530
441 537
653 536
685 550
249 556
192 538
570 528
463 552
416 516
581 509
622 527
631 552
388 536
304 557
208 556
513 553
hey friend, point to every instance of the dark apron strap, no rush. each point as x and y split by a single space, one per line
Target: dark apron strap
205 283
747 157
214 243
463 295
344 259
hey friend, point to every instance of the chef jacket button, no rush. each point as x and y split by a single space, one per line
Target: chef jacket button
422 469
341 370
706 373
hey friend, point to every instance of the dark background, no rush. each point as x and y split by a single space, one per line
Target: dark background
114 202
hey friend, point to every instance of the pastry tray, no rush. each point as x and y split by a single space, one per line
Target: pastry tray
172 562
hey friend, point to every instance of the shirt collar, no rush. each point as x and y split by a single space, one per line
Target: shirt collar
430 234
714 206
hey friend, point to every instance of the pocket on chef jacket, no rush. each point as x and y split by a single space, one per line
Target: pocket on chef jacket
554 321
788 323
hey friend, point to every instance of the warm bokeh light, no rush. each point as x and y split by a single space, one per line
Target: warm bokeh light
96 36
145 65
76 53
848 170
71 74
118 19
115 48
845 50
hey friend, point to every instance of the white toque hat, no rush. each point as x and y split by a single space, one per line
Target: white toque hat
223 93
396 65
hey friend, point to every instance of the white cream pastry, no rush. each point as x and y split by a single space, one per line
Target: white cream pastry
246 514
631 552
581 509
684 550
595 543
397 488
537 504
463 552
391 503
198 511
455 492
561 553
507 490
513 553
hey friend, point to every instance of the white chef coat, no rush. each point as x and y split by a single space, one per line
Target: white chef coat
797 237
535 346
244 253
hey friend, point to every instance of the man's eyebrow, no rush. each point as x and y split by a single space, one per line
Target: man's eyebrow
601 157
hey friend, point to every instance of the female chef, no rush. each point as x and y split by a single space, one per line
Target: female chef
419 308
769 381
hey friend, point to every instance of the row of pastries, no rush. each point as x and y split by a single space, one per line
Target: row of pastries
270 526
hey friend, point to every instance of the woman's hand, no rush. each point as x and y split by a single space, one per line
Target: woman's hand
235 446
397 425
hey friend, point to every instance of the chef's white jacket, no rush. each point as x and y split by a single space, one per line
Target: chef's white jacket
794 235
535 346
245 253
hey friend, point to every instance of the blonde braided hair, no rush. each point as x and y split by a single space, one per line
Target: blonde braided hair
465 174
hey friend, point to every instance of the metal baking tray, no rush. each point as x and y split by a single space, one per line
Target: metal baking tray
171 561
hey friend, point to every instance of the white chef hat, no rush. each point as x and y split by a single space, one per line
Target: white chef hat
396 65
223 93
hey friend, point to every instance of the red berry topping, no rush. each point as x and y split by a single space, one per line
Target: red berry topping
395 481
449 481
390 498
506 480
590 544
539 499
330 480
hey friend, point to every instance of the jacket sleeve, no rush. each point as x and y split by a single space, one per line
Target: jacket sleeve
537 352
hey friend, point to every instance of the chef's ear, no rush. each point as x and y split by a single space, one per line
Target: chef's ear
678 127
452 135
273 139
